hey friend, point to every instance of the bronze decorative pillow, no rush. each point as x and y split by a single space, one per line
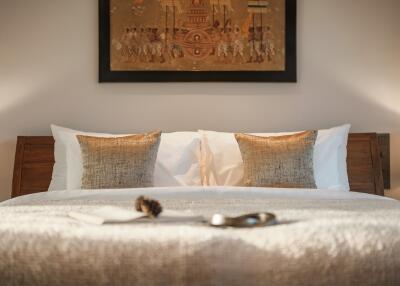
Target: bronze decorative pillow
281 162
119 162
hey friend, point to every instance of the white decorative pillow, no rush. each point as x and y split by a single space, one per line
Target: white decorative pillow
222 163
177 163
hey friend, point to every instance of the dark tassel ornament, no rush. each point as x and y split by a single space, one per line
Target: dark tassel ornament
148 206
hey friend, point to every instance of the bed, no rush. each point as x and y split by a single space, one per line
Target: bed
323 237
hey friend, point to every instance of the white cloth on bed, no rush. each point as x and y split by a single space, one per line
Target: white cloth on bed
325 238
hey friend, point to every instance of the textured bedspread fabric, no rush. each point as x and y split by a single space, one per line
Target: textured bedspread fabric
324 238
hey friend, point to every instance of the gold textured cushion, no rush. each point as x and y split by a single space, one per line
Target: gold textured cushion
282 162
119 162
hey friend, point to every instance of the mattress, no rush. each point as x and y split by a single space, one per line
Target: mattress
323 238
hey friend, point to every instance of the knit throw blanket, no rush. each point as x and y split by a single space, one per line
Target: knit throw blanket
322 239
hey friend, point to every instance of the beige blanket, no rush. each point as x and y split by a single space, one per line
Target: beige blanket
324 238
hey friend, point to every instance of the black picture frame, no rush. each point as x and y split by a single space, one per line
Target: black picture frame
288 75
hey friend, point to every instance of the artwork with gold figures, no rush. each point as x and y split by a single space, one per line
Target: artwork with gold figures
197 35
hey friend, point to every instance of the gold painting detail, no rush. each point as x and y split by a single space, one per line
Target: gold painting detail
197 35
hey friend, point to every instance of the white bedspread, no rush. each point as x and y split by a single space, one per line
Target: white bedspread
324 238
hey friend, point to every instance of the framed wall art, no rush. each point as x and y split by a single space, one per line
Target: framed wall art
197 40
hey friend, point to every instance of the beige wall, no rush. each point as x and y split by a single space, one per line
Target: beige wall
349 71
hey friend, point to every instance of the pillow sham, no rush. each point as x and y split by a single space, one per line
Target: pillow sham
119 162
278 161
222 162
177 163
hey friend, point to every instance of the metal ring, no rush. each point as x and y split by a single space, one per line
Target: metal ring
244 221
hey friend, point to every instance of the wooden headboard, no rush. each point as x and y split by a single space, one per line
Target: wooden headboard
34 160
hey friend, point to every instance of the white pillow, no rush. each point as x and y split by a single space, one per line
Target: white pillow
177 164
222 163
